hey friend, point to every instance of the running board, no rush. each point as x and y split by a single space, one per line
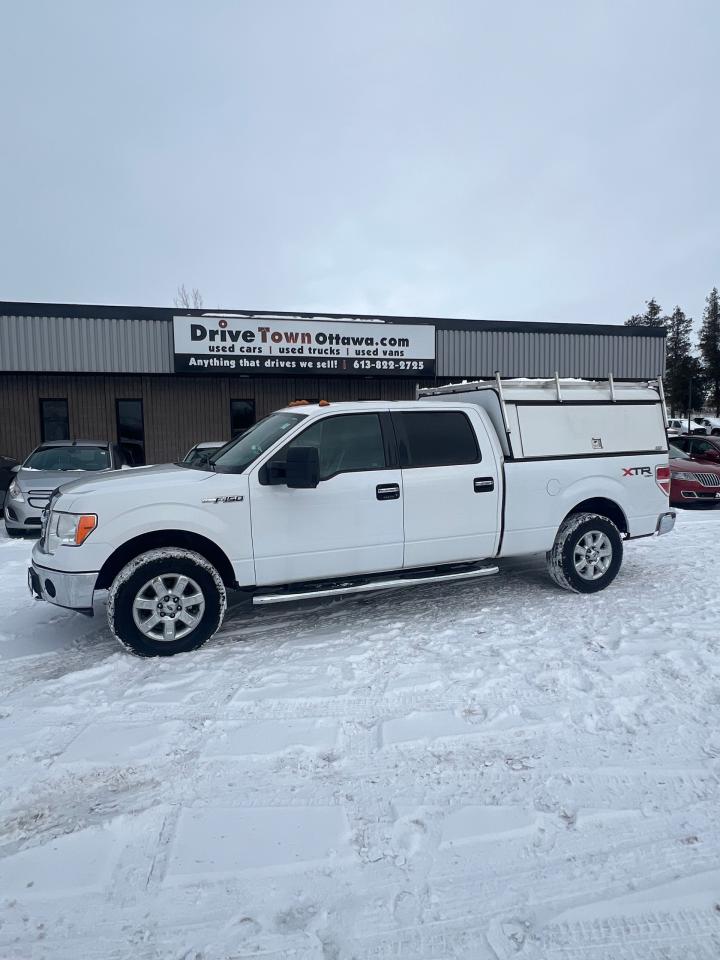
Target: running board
265 598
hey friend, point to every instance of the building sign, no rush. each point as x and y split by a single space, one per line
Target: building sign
227 345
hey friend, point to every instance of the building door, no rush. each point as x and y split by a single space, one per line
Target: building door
450 488
350 524
131 430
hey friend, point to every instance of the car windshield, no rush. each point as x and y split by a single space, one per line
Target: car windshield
68 458
201 454
237 455
676 453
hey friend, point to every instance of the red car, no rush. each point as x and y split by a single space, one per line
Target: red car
692 481
705 449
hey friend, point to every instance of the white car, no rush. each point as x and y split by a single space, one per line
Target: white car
675 427
326 499
202 452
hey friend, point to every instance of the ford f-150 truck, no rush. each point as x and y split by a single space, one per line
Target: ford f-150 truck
328 499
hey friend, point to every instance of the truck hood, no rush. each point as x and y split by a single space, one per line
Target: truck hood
164 476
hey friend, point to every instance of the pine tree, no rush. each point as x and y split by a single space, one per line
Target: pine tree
710 347
679 366
651 318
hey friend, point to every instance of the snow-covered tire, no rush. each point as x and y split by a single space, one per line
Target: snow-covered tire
571 562
179 590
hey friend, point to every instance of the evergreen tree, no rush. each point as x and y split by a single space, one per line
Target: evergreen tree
651 318
710 347
680 366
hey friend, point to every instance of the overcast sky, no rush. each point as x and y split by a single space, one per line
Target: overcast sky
507 160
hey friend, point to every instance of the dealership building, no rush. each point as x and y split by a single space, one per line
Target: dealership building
159 380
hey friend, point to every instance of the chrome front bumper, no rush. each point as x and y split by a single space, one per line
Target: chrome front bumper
666 522
71 590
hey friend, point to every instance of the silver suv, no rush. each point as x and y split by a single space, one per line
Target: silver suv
48 467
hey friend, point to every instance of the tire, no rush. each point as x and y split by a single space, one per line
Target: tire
716 432
15 534
149 588
579 560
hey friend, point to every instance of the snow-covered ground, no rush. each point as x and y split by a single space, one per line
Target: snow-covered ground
487 771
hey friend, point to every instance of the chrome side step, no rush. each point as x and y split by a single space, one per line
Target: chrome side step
261 599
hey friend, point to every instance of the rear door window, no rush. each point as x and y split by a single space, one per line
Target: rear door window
435 439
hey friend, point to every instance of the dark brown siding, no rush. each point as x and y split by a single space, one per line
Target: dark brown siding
179 411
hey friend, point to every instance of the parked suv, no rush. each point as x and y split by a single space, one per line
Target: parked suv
47 467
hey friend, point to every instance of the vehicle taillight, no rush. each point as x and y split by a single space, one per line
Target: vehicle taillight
662 479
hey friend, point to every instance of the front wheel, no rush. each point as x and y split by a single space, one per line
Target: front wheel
166 601
587 553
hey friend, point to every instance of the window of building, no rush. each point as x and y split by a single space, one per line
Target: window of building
54 420
348 443
435 439
131 430
242 416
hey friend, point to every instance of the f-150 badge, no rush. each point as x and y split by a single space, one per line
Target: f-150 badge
235 499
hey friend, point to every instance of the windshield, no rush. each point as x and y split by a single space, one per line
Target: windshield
240 453
201 454
676 453
68 458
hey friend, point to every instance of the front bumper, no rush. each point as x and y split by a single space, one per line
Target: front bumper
71 590
21 516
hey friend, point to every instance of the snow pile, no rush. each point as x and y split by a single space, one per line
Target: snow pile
485 771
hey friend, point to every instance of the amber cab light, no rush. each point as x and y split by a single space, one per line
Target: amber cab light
86 524
662 478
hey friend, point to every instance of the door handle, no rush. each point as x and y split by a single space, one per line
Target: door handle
387 491
483 484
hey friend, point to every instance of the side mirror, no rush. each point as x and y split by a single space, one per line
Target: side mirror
16 468
713 455
302 471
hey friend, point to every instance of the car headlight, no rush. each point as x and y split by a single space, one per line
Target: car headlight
682 475
15 492
69 529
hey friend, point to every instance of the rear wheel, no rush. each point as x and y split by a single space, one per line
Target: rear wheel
166 601
587 553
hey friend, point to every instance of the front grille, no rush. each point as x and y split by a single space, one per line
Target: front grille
708 479
39 498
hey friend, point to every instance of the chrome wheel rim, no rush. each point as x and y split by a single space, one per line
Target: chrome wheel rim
168 607
593 555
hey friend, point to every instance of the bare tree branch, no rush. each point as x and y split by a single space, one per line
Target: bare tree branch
186 300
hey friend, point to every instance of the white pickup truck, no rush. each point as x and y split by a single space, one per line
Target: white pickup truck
329 499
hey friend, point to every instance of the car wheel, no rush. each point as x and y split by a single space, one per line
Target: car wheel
15 534
166 601
587 553
716 432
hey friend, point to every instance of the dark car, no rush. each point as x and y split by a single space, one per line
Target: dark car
691 481
6 473
47 467
703 449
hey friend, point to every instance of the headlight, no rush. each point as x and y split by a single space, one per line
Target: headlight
682 475
15 492
69 529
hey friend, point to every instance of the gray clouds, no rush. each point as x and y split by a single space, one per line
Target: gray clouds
553 161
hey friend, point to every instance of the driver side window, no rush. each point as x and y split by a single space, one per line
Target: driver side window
346 443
